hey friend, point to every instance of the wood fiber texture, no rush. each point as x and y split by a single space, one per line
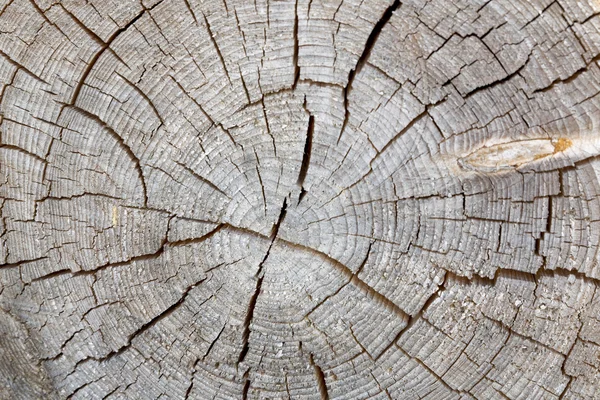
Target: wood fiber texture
311 199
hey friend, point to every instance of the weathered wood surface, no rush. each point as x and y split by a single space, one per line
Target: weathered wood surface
313 199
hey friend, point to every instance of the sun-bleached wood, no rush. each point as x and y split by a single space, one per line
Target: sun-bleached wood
305 199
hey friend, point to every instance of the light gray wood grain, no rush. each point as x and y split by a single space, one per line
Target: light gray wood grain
305 199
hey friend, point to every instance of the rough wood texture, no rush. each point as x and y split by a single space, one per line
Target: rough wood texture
319 199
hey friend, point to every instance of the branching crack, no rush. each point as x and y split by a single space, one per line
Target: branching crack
412 319
146 326
121 141
105 47
259 280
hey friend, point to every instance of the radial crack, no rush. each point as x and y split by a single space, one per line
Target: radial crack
306 156
202 179
148 325
257 289
321 384
105 47
296 48
216 46
370 43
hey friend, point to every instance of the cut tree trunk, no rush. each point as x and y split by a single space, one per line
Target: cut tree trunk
321 199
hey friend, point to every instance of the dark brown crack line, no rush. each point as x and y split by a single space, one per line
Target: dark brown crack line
370 43
259 276
306 156
322 385
105 47
296 48
128 150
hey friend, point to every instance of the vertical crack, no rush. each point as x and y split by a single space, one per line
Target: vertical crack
250 313
259 275
246 386
262 188
370 43
320 379
296 48
189 7
306 157
538 251
268 126
191 386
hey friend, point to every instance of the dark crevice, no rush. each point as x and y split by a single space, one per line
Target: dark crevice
387 15
370 43
364 262
83 27
377 296
439 378
275 228
569 79
130 260
499 81
249 317
246 388
418 315
146 326
109 394
296 48
346 112
343 269
401 133
189 7
301 195
79 388
213 343
22 151
191 386
306 156
22 67
246 92
52 275
259 281
548 229
320 303
105 47
567 387
202 238
206 114
262 187
226 8
321 384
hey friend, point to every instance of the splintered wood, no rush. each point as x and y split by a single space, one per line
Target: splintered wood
310 199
